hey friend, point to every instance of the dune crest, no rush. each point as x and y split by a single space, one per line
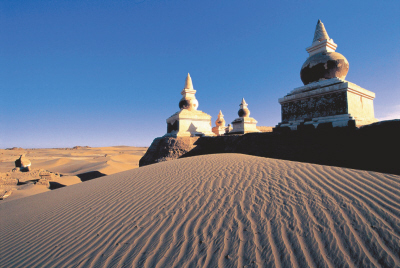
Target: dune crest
226 210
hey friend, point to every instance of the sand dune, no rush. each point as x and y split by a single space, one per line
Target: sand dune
226 210
74 161
74 165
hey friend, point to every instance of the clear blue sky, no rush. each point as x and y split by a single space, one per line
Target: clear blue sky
104 73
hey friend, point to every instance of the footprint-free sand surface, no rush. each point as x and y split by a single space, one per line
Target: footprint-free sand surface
225 210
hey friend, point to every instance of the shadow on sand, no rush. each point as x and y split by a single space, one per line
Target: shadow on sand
55 185
90 175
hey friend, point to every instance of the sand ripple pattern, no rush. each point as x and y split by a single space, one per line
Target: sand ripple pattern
225 210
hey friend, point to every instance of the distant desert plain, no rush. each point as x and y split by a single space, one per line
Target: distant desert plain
66 166
217 210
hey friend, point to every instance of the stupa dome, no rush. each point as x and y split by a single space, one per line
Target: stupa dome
243 111
323 62
324 65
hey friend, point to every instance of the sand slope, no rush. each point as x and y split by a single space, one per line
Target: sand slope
226 210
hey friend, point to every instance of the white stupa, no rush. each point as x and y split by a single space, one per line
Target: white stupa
326 99
189 122
220 127
244 124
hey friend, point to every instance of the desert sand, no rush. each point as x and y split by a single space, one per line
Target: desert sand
223 210
69 165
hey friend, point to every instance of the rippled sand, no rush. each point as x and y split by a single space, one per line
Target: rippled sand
225 210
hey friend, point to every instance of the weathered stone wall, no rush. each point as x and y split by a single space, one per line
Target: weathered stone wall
315 106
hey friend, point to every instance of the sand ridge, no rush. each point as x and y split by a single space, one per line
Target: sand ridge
226 210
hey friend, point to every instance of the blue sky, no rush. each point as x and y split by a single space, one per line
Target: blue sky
103 73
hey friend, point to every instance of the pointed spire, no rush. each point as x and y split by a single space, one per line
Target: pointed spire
321 41
243 111
320 32
188 84
220 122
188 100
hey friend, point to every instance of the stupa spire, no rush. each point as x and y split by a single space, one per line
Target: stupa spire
321 41
188 100
220 122
243 111
320 33
188 84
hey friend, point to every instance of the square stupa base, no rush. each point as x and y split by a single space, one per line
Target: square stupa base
187 123
243 125
333 101
219 131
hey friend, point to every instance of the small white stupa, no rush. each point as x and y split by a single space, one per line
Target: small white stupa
244 124
189 122
220 127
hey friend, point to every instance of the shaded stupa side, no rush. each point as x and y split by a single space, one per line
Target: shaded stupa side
326 98
189 122
244 124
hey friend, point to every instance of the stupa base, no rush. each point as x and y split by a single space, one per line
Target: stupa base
219 131
243 125
187 123
335 101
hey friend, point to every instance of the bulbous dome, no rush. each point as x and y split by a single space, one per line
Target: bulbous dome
324 65
244 112
220 122
190 104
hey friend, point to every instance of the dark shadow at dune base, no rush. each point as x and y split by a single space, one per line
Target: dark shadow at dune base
55 185
374 147
90 175
27 182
